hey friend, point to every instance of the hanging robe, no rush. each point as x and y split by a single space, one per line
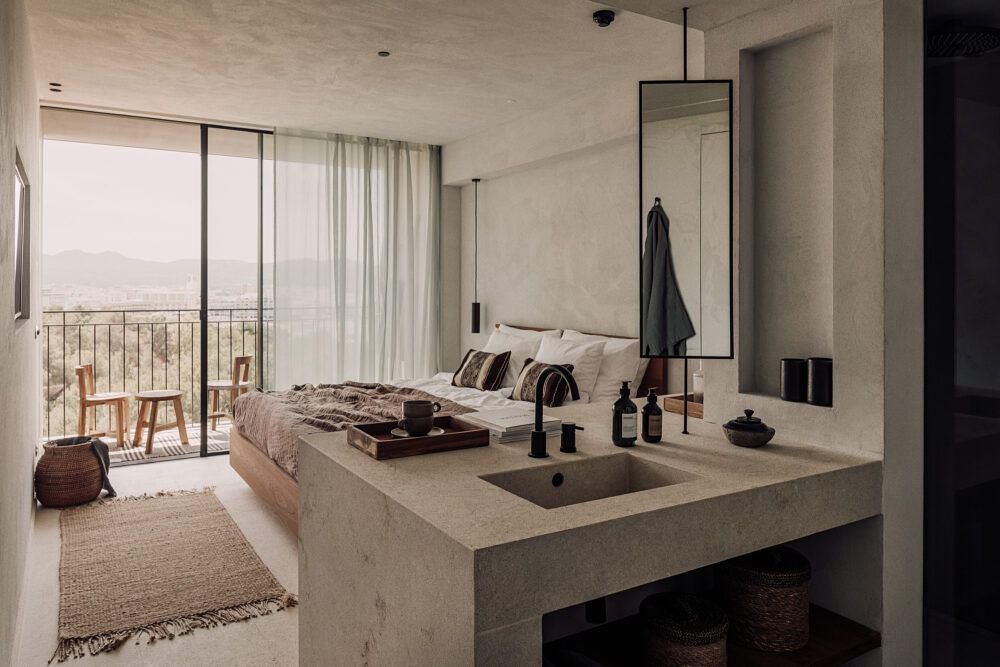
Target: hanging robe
666 323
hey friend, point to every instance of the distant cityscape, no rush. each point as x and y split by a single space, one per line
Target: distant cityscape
83 297
77 280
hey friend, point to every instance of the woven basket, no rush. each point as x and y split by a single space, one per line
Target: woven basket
681 630
767 596
69 473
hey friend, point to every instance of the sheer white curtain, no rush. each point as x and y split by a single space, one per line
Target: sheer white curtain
356 258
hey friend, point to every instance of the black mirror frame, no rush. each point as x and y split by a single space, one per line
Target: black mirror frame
642 218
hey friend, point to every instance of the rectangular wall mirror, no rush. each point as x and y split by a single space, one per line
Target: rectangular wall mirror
22 241
685 190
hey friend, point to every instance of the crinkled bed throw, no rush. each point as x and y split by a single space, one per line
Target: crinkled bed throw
274 420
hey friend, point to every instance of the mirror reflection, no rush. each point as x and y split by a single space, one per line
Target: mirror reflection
686 189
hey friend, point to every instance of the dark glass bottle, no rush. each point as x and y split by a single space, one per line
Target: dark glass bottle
652 419
624 419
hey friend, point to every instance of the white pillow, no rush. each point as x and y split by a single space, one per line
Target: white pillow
528 333
584 355
520 349
620 362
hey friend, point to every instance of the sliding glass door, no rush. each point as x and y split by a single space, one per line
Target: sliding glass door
157 273
237 234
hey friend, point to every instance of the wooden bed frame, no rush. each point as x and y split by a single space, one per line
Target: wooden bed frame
280 491
276 488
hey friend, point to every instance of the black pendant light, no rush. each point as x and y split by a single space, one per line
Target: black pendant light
475 303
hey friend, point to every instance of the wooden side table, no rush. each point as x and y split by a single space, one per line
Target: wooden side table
149 402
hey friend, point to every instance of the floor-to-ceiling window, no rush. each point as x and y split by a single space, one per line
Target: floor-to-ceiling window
154 275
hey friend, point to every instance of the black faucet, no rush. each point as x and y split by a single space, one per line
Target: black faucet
538 450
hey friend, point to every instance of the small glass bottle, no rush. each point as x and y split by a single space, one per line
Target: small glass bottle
652 419
624 419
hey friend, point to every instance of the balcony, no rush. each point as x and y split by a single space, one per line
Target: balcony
142 350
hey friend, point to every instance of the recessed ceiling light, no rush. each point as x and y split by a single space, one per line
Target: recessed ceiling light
384 54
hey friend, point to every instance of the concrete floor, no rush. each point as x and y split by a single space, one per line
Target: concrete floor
269 640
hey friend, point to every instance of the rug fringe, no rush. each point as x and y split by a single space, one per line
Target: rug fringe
148 496
77 647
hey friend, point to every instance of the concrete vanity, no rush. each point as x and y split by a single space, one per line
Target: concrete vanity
453 558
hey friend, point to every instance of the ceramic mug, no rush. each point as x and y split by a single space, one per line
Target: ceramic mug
418 417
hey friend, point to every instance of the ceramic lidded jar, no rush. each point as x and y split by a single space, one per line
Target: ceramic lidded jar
748 431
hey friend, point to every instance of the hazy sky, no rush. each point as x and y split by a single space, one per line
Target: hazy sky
145 203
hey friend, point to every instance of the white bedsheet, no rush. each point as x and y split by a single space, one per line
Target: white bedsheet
440 385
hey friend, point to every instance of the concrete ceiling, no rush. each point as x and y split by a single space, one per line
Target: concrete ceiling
702 14
312 64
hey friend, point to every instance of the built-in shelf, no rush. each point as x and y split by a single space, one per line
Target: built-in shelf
833 640
750 395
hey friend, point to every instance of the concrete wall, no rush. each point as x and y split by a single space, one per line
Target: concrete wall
557 246
20 371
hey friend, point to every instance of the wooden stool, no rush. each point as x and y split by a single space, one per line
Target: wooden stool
90 399
148 404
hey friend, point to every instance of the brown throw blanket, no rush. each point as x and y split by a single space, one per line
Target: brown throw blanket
273 421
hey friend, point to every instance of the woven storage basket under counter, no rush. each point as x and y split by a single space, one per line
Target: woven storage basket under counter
682 630
767 596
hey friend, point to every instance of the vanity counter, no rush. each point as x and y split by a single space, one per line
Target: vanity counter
420 559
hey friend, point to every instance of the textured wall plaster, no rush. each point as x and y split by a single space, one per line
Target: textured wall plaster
793 214
19 353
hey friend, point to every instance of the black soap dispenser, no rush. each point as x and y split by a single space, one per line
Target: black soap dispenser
652 419
624 419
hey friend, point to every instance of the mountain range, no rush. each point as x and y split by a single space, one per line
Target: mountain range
112 269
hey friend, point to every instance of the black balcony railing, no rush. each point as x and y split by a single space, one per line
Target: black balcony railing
140 350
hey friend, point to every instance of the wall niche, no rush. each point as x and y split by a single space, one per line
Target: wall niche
790 240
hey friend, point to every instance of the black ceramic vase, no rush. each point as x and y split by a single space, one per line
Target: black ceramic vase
820 381
794 379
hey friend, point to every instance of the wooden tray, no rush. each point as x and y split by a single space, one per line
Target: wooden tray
675 403
376 441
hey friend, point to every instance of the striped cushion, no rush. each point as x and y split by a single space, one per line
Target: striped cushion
482 370
554 390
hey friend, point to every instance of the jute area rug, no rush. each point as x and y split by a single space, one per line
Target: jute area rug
156 567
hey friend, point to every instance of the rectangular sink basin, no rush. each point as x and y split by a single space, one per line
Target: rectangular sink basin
573 482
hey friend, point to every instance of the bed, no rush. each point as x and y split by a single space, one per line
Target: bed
267 425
